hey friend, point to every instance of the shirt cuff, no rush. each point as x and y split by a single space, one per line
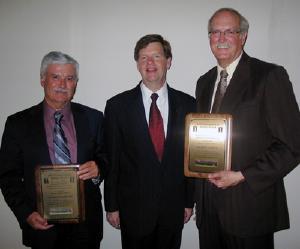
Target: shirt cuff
96 180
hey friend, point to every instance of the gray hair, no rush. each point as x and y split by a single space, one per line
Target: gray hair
56 57
244 24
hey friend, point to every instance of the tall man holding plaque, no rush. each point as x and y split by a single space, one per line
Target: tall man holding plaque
54 132
243 207
146 193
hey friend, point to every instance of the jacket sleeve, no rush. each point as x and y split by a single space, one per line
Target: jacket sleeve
113 147
100 152
283 123
189 182
12 174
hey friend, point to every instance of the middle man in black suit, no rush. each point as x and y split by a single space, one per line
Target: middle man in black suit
146 193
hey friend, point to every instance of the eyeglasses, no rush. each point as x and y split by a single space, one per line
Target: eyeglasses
227 33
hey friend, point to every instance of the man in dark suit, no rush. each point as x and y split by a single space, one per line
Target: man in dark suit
28 140
146 193
243 207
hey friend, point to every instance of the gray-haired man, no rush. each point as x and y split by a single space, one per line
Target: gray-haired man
29 140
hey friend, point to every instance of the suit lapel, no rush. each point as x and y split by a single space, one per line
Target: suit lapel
137 121
137 109
39 135
174 110
238 85
204 101
82 132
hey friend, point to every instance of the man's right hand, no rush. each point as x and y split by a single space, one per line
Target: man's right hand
37 222
114 219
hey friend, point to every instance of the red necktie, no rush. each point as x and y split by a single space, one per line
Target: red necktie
156 127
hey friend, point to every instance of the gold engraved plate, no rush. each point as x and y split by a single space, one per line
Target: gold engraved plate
60 195
207 144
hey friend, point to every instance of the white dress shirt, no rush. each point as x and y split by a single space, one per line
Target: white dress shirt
162 103
230 70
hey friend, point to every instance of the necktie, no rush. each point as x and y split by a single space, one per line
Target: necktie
156 127
220 91
61 150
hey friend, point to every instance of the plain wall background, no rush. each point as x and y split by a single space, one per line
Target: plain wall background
102 34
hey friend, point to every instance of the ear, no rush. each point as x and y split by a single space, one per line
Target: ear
244 38
42 81
169 63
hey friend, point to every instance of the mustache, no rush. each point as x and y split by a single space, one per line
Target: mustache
223 45
61 90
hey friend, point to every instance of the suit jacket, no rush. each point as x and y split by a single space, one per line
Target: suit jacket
265 146
145 191
24 145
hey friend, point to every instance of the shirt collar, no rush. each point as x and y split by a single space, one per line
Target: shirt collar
162 92
231 67
49 111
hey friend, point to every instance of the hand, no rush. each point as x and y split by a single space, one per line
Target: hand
188 212
88 170
225 179
114 219
37 222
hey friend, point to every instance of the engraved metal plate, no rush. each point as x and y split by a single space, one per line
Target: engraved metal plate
207 144
60 193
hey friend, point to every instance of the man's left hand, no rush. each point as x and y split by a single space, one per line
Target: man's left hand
225 179
88 170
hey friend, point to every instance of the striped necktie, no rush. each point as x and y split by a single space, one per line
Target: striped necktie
61 150
220 91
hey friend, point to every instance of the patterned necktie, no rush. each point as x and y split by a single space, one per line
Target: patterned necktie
61 150
156 127
220 91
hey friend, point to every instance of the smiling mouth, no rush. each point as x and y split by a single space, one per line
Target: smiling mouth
151 70
223 45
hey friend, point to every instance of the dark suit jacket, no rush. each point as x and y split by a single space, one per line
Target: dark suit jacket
265 146
145 191
24 145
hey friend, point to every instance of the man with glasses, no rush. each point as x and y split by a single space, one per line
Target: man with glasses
243 207
55 131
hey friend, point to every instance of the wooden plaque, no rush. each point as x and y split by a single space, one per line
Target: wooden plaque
60 193
207 144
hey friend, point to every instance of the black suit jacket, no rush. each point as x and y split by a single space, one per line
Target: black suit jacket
24 145
265 146
145 191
